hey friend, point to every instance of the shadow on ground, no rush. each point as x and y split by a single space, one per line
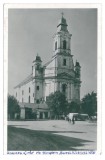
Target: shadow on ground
20 139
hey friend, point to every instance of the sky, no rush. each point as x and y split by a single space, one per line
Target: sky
30 32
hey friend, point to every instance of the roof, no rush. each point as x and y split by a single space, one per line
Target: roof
34 105
62 25
38 59
62 21
46 64
77 64
26 80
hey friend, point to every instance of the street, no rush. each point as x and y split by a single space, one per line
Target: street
82 130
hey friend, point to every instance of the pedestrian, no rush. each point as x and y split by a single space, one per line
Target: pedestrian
73 120
70 116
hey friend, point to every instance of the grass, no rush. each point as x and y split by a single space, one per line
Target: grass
24 139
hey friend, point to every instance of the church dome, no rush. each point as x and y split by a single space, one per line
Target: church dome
62 25
38 58
77 64
62 21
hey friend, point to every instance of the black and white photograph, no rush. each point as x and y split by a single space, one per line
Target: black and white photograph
52 79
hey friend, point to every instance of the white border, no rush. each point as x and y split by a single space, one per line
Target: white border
99 58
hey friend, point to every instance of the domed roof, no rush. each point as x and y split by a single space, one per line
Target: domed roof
77 64
38 58
62 21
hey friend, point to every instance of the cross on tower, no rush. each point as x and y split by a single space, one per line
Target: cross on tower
62 14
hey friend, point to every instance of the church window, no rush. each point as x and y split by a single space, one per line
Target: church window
16 94
63 88
55 45
37 88
37 67
29 90
64 44
37 101
29 99
33 94
22 100
64 62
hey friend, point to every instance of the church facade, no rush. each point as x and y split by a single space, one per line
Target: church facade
59 74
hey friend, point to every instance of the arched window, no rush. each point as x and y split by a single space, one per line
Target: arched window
37 101
56 45
29 99
64 62
37 87
64 88
29 90
64 44
38 67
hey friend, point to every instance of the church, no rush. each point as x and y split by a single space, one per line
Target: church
59 74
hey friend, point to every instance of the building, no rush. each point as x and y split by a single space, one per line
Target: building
59 74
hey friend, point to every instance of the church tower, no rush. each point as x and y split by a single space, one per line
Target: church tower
37 72
60 73
62 39
62 47
68 75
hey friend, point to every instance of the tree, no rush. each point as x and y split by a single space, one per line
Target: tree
89 104
13 107
73 107
57 103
